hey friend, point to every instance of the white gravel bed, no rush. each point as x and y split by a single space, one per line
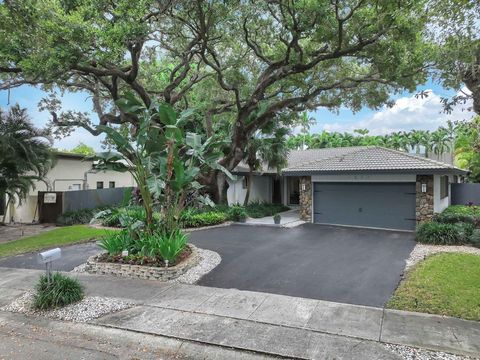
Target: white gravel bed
209 261
411 353
91 307
421 251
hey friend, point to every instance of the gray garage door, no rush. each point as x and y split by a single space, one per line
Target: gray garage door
382 205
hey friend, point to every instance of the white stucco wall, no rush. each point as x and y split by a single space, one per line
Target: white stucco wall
121 179
440 204
261 190
68 174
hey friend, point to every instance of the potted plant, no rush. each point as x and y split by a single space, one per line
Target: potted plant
277 218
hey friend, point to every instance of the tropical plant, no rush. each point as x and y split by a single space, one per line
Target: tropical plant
268 148
56 291
164 160
25 155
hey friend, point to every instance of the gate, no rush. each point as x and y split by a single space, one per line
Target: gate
50 206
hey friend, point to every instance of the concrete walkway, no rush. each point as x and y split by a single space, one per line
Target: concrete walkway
273 325
290 218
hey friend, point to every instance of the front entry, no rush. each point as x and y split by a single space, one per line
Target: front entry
380 205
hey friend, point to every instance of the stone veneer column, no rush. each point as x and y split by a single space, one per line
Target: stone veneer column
306 198
424 201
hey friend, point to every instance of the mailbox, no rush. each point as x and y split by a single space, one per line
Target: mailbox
49 255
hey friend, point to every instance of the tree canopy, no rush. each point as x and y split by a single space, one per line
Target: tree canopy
25 154
241 64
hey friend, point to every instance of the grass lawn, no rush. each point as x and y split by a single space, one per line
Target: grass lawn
444 284
56 237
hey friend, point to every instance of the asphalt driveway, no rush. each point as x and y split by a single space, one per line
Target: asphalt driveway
349 265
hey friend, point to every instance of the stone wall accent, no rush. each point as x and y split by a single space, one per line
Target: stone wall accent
143 272
424 201
306 198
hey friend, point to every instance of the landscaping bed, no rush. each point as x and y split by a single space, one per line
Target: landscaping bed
443 284
152 271
138 259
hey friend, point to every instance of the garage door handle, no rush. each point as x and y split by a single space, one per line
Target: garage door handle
360 209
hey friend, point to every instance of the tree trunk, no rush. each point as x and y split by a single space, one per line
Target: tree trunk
6 210
249 185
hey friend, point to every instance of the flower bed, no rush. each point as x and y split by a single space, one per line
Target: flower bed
98 265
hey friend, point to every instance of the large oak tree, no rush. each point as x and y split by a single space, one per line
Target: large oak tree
240 63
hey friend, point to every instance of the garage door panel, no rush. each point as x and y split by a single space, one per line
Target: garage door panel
384 205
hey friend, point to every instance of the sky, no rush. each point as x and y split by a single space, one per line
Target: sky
408 113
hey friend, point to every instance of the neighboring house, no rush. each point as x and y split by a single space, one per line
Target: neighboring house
71 172
356 186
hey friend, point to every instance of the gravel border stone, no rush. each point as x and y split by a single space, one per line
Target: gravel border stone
91 307
411 353
421 251
209 260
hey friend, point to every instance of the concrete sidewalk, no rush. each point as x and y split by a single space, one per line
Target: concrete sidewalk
264 323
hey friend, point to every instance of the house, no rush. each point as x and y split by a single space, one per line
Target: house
355 186
71 172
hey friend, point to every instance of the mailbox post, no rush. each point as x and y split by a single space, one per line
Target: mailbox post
47 258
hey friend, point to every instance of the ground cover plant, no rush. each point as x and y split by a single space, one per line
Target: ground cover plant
57 237
456 225
56 290
443 284
82 216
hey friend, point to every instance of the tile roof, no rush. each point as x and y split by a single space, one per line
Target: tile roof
358 159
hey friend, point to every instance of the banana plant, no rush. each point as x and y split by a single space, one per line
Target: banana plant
164 160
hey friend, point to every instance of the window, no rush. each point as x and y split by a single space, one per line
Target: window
75 187
443 187
99 184
111 184
455 179
245 182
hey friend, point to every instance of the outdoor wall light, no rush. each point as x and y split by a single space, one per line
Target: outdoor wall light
424 188
303 187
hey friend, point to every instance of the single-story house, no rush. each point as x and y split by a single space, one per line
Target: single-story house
354 186
71 172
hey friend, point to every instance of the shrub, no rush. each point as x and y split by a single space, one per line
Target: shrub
123 217
76 217
61 291
463 210
116 242
439 234
452 218
475 238
237 213
171 245
260 209
465 231
190 219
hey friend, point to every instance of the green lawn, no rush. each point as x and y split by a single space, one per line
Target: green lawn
444 284
56 237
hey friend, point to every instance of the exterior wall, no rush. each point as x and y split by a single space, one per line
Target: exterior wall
441 204
121 179
68 174
261 190
306 202
424 206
